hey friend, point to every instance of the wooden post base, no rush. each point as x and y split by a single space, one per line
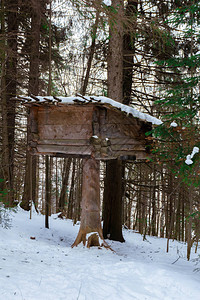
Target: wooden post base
90 215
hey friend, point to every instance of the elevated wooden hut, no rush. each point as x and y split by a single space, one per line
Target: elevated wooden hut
93 128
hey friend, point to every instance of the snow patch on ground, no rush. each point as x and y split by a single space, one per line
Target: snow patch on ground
48 268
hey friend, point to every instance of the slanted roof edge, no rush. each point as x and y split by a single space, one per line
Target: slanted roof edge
90 99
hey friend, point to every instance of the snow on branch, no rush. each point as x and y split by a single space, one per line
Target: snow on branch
189 157
107 2
173 124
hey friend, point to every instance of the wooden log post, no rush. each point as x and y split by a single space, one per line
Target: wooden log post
90 215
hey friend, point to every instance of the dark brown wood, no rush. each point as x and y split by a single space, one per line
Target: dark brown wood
9 56
47 192
112 219
129 49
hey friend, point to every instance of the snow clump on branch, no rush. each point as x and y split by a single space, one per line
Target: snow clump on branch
107 2
189 157
173 124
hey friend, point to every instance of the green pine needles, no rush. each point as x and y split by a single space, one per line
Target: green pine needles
179 133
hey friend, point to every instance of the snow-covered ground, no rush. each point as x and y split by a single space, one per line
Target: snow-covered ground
48 268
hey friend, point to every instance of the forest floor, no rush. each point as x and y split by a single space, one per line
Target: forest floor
39 263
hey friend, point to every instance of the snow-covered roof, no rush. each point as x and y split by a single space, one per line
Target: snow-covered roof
91 99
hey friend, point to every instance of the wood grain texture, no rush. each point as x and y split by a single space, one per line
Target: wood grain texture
86 130
90 213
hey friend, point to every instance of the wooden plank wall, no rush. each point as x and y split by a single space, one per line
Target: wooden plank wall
85 130
63 129
120 135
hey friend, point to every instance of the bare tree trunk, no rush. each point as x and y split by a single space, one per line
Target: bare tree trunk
50 50
78 192
162 226
113 205
91 54
129 49
48 186
183 218
5 170
139 204
11 81
47 191
153 218
9 85
33 89
115 54
57 198
112 228
189 225
67 164
90 214
71 194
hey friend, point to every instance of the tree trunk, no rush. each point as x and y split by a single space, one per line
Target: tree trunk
112 212
154 213
90 214
71 193
5 170
189 224
67 164
91 54
32 89
11 75
47 191
115 54
9 85
129 50
112 228
77 191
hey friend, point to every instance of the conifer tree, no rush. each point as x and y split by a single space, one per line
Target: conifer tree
178 137
179 132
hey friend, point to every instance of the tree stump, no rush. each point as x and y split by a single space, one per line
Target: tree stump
90 205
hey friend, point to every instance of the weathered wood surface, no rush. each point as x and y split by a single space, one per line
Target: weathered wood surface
69 142
85 150
90 205
33 120
64 131
65 114
85 131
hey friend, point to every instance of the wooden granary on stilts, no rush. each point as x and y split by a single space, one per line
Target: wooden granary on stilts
92 128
